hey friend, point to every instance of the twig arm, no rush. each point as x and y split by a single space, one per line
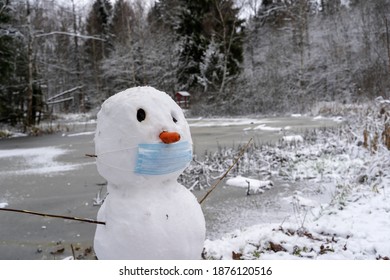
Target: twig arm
52 216
227 171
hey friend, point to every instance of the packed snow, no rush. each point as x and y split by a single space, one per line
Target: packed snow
253 185
3 204
143 143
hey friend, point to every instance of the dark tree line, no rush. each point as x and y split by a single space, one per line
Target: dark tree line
235 57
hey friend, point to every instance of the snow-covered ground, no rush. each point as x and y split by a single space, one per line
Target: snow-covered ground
357 226
76 122
351 223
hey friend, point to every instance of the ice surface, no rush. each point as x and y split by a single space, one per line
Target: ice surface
35 161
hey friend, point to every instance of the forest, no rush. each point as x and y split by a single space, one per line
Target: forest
235 57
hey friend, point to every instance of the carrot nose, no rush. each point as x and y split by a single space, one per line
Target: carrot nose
169 137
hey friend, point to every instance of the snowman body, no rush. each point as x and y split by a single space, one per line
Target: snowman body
143 144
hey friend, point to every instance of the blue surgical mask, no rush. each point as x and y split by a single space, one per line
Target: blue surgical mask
160 158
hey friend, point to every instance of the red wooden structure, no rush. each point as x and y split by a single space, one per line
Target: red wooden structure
183 99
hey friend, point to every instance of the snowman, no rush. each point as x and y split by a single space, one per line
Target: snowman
143 143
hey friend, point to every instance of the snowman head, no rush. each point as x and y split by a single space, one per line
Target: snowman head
141 135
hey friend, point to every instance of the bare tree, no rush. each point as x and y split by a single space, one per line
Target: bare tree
227 37
30 119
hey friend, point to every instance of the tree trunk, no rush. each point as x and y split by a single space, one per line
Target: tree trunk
30 118
79 95
387 43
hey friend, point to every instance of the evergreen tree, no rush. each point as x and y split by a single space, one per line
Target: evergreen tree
165 14
212 36
194 43
98 25
224 31
122 21
6 63
13 65
163 20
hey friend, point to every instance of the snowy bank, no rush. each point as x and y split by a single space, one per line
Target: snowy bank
349 163
7 133
358 230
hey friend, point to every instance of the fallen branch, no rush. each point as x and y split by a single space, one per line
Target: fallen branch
53 216
227 171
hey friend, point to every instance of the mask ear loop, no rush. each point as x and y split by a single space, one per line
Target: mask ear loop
112 166
114 151
108 152
111 152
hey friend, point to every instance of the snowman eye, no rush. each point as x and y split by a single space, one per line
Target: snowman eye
141 115
173 115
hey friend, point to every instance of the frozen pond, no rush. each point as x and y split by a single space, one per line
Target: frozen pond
209 134
51 174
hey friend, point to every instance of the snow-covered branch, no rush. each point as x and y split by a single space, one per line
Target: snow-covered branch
65 92
70 34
